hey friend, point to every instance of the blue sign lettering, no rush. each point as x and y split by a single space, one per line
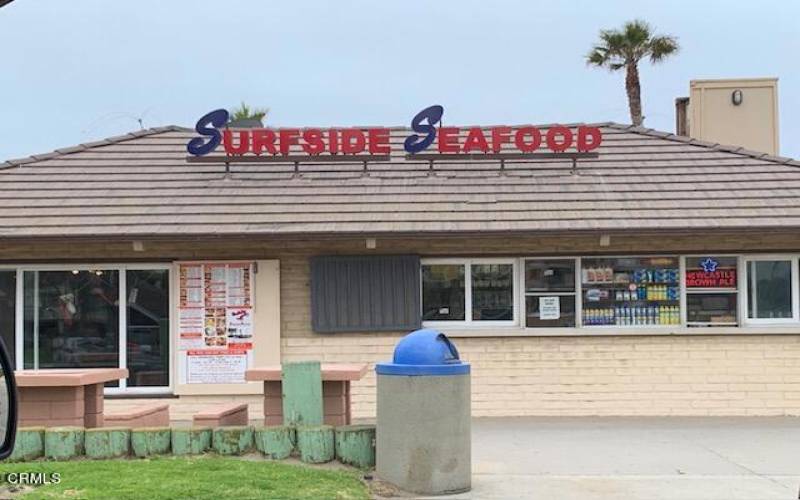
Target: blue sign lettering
208 126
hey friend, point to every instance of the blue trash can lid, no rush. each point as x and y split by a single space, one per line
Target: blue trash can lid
424 352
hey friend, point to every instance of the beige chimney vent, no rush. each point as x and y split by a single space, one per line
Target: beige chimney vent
738 112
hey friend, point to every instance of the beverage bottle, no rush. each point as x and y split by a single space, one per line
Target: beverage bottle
658 315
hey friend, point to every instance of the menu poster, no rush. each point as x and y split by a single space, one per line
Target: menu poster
215 321
215 367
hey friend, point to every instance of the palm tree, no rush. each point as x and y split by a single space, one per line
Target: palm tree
624 48
246 116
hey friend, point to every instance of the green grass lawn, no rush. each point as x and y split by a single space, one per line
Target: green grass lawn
197 477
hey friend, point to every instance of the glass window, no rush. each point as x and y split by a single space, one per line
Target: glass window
8 304
552 275
769 289
630 291
711 291
550 293
492 292
471 291
443 295
71 319
148 327
711 309
559 310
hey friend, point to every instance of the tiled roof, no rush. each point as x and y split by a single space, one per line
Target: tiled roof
140 184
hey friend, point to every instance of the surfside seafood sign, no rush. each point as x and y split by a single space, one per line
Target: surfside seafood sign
212 129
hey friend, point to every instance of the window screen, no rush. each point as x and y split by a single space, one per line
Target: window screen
365 293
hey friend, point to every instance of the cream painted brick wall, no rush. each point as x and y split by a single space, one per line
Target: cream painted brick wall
573 376
702 375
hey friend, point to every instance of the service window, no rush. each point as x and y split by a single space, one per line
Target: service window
443 292
469 291
711 291
550 293
626 291
770 289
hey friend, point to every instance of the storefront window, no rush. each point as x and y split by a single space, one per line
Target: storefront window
148 327
71 319
485 288
8 303
550 293
492 292
630 291
711 291
769 289
443 292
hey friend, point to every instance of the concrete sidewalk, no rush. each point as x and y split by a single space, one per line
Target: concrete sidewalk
636 458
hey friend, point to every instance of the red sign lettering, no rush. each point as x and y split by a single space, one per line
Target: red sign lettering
721 278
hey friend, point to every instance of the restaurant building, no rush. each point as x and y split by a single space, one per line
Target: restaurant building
652 275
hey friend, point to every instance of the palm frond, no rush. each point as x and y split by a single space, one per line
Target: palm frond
243 112
661 47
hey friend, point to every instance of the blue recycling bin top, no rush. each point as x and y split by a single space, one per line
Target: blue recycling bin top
424 352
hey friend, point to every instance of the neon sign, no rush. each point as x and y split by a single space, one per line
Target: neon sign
213 131
710 276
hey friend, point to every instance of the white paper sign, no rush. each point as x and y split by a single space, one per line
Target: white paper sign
212 368
549 308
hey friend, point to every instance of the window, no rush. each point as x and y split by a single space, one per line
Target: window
492 292
471 291
550 293
443 292
8 304
109 316
628 291
147 331
711 291
71 319
771 290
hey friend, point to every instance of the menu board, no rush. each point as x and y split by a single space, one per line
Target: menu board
215 321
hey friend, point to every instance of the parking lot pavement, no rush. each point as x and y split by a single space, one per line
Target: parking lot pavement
630 458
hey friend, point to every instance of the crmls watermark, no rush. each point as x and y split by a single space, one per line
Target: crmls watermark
31 478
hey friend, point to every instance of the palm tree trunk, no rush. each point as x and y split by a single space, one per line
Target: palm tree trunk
634 93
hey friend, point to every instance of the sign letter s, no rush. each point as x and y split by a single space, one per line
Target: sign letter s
208 126
415 143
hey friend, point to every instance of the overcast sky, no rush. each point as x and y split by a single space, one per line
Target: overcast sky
77 71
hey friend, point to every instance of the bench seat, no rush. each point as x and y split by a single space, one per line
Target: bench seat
222 415
147 415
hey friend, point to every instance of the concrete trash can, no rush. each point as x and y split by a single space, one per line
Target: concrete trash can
423 426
